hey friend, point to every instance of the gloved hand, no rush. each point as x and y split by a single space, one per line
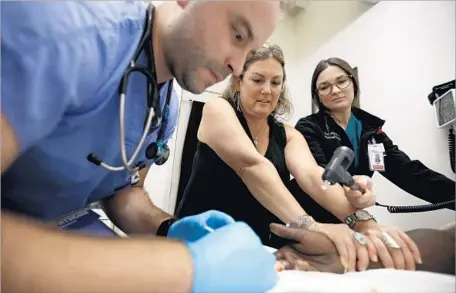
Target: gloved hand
232 259
192 228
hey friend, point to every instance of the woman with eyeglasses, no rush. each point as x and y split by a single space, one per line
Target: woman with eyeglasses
335 90
245 157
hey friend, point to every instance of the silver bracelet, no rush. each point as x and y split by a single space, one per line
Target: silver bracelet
302 222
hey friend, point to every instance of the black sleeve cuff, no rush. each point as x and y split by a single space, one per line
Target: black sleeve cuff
164 227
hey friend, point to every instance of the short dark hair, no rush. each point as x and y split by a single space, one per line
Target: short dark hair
342 64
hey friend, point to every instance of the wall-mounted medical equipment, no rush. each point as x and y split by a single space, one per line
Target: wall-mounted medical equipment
443 99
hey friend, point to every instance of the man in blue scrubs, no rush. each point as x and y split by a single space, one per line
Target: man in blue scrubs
62 64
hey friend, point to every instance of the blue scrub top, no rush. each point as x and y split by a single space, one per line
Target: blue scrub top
62 62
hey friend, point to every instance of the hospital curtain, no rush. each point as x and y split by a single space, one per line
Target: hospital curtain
189 150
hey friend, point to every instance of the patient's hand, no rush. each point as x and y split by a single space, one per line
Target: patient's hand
314 252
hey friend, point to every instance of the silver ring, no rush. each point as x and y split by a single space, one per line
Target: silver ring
360 238
389 240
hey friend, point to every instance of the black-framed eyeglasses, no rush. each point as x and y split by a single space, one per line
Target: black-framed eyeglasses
342 82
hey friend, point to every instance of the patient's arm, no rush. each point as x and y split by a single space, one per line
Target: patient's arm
315 252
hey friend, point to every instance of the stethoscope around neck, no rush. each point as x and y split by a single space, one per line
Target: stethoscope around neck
157 151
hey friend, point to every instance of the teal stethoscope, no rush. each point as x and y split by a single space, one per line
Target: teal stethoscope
157 151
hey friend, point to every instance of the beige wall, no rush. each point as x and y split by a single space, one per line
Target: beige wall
324 19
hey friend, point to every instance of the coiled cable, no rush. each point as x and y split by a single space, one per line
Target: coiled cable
451 148
417 208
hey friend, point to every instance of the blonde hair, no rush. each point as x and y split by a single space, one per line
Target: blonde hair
284 106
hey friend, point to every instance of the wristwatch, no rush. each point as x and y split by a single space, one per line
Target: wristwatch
304 222
358 216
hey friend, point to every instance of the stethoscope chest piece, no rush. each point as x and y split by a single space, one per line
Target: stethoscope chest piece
158 152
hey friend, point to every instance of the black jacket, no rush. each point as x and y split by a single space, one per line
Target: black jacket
324 135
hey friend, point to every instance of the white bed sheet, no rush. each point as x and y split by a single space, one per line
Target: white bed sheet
372 281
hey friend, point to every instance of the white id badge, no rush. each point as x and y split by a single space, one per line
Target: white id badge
376 159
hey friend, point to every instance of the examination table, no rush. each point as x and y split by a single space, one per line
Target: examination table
371 281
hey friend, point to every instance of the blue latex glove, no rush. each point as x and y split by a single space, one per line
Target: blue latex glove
192 228
232 259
